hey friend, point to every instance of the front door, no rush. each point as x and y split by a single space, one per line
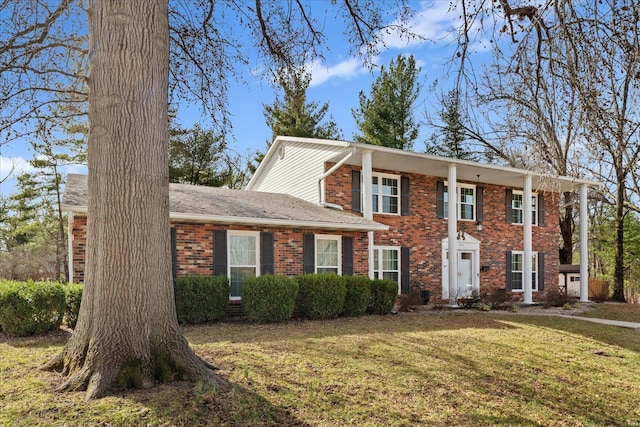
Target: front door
465 273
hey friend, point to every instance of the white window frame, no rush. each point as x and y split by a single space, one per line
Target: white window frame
534 270
378 260
534 207
380 196
459 203
333 237
241 233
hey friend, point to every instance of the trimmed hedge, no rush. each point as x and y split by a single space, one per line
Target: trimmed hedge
358 296
321 296
269 298
29 308
384 293
201 299
73 297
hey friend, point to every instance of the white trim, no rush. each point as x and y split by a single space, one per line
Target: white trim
533 284
379 195
333 237
452 230
584 246
235 220
460 186
380 259
232 233
469 244
527 232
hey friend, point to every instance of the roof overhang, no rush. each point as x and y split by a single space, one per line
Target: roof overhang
400 161
235 220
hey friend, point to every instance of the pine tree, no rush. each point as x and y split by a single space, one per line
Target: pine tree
386 118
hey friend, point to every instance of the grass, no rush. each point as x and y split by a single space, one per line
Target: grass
436 368
614 311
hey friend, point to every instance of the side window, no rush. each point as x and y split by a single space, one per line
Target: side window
386 263
385 194
517 208
244 258
517 271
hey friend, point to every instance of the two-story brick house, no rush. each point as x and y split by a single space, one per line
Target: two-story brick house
335 206
498 239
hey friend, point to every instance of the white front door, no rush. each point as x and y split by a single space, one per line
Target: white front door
468 260
465 273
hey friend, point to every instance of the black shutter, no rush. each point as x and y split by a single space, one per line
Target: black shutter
508 270
540 271
541 210
308 253
356 196
479 204
508 211
266 253
404 270
174 253
347 256
404 191
219 252
440 199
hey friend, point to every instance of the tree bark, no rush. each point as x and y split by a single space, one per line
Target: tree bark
618 272
127 332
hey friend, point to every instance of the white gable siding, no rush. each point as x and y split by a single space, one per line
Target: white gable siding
298 171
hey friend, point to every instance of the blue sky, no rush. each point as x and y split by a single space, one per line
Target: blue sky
337 80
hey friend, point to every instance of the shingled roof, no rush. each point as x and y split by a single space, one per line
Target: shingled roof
222 205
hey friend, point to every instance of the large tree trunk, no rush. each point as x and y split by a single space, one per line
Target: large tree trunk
566 230
618 272
127 332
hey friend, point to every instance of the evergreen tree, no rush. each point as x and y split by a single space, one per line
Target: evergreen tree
450 139
294 116
387 117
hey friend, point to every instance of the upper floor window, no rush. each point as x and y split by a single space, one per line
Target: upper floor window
517 207
466 201
385 193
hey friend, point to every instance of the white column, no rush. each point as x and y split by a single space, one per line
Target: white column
451 234
70 245
527 267
584 256
367 203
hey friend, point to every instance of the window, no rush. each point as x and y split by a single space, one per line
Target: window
517 208
517 268
328 251
385 193
244 259
466 201
386 263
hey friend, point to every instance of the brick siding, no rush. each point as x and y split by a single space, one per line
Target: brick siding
423 232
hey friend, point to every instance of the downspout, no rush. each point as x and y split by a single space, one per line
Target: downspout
326 174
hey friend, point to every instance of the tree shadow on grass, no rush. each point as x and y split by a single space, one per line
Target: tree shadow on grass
183 404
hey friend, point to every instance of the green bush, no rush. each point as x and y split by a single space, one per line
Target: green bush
29 308
358 296
384 293
201 299
73 296
321 296
269 298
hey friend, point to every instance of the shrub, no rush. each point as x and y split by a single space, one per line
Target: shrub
29 308
321 296
269 298
73 296
358 295
409 302
384 293
201 299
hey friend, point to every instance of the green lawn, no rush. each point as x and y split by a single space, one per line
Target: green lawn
435 368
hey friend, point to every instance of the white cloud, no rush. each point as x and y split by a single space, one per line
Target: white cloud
14 166
346 69
435 22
